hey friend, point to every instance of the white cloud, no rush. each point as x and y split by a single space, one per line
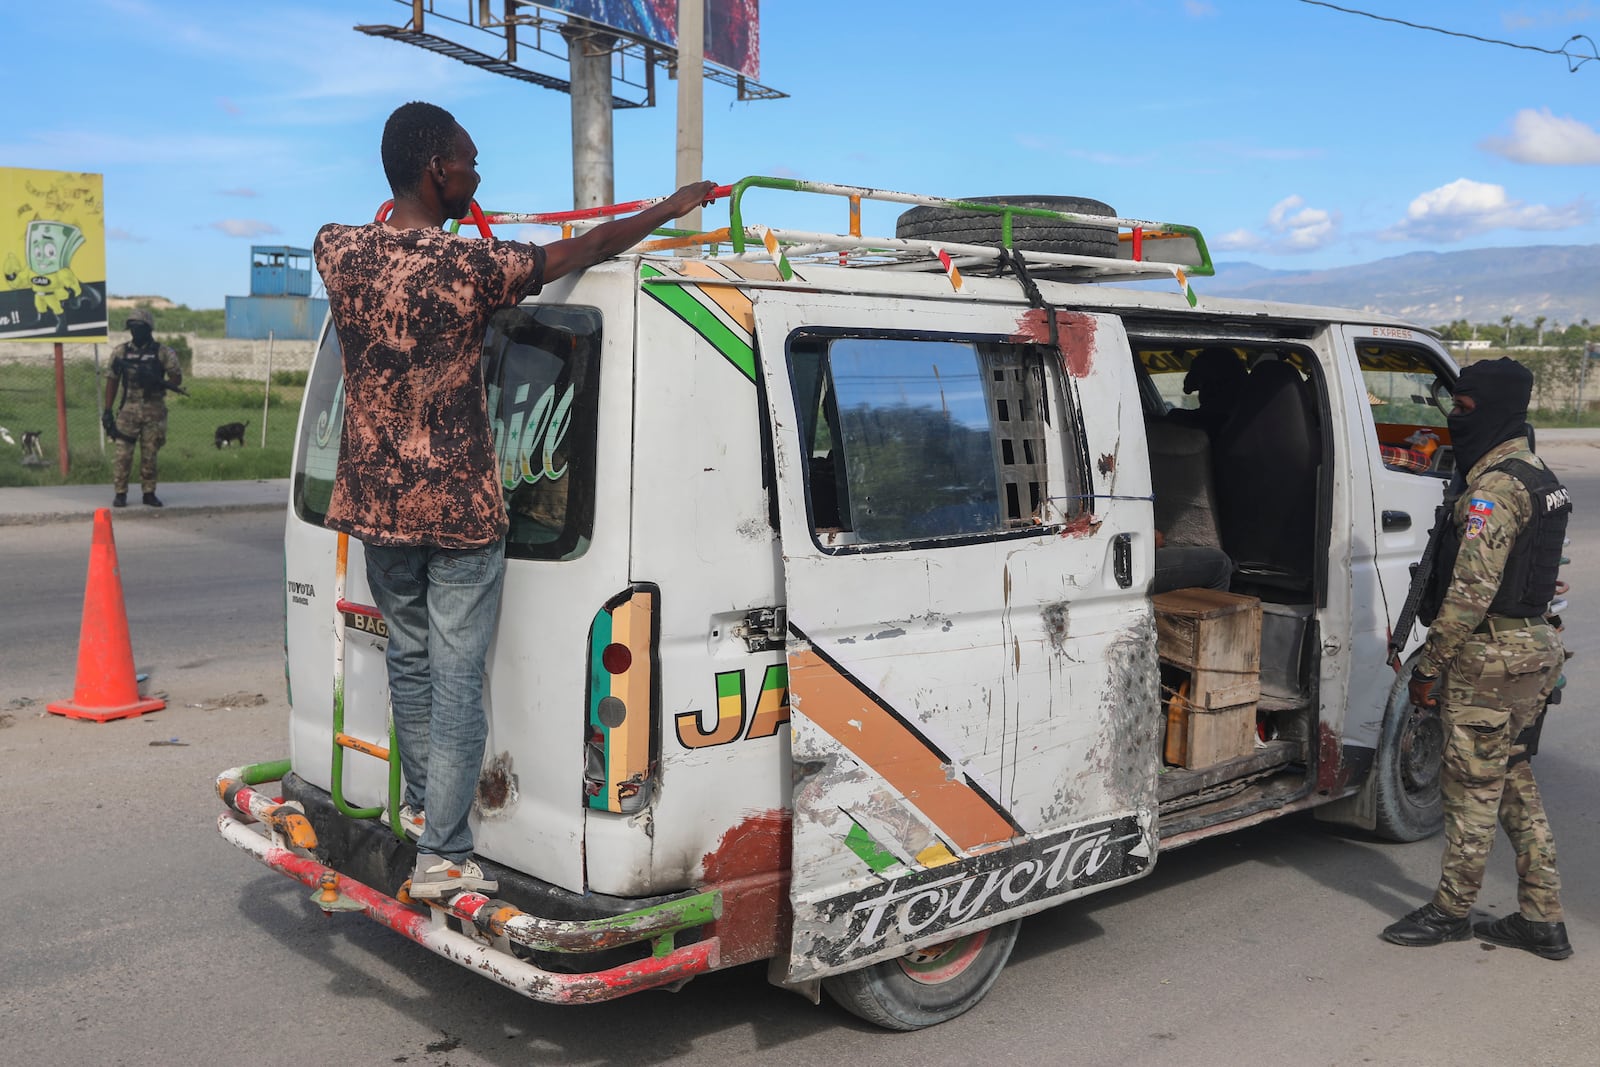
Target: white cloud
1299 228
1465 207
1238 241
1542 138
243 227
1291 227
117 233
1198 9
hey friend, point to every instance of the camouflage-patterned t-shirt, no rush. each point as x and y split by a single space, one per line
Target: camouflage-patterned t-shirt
416 458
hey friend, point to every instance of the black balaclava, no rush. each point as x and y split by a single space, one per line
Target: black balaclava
1500 388
141 334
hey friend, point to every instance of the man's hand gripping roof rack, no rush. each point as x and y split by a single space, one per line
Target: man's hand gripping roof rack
1145 249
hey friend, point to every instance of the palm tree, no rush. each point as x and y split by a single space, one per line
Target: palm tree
1505 320
1538 329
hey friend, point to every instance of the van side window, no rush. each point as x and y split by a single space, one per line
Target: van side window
316 454
1404 392
910 439
541 367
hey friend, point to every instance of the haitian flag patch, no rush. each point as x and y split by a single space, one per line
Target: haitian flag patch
1478 512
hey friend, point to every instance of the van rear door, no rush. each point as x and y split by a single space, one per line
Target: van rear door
967 541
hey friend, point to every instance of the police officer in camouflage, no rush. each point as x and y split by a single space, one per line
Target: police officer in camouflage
145 369
1499 658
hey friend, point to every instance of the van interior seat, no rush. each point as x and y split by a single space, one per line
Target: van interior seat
1267 456
1182 484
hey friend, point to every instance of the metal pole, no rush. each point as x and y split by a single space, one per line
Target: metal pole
691 97
589 53
266 393
61 407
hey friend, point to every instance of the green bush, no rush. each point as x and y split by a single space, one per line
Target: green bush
289 377
180 346
205 322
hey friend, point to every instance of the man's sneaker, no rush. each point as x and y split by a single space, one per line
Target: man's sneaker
1542 939
120 500
434 876
1428 925
412 821
151 500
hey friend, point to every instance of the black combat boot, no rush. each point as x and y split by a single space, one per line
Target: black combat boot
1428 925
120 500
1542 939
151 500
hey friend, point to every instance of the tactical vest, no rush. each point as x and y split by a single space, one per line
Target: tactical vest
1529 580
143 371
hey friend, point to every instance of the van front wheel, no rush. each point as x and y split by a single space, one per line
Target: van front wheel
1409 760
927 986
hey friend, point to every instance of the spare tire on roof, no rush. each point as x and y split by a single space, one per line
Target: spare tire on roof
1029 233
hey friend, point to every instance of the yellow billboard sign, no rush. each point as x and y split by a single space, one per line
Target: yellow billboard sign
52 256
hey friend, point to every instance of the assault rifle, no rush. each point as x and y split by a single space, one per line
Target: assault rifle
1421 577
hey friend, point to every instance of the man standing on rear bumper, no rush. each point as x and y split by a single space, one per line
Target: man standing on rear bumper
1500 659
418 482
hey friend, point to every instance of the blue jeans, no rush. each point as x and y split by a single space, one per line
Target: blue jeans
440 605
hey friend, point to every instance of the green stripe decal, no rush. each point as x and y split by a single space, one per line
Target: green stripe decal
682 304
599 689
871 853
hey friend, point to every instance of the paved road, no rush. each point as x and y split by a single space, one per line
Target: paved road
135 936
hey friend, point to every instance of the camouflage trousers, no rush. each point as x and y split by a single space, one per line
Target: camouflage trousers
1494 689
146 422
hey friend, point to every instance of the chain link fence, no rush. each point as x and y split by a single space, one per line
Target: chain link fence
254 383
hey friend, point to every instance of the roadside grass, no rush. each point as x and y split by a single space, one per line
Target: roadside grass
27 403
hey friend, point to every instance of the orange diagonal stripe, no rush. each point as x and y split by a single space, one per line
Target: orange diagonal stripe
737 304
850 716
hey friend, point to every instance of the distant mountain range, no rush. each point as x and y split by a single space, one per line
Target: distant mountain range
1560 282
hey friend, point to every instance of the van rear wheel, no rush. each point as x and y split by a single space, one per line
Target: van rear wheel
1407 769
927 986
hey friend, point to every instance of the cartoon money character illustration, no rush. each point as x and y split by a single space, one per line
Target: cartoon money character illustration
50 247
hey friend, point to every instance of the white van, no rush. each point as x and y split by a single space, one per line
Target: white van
828 635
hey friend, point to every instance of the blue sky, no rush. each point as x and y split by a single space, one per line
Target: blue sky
1295 136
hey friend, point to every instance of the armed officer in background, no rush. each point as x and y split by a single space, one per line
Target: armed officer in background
1499 658
145 369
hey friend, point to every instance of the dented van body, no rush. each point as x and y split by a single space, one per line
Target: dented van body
828 635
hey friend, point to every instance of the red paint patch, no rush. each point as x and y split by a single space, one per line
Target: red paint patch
1331 771
1083 526
1074 333
750 866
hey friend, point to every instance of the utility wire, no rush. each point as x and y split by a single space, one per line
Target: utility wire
1574 59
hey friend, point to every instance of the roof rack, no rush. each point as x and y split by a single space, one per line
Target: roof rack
1145 249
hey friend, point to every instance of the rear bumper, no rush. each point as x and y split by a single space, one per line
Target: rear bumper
488 936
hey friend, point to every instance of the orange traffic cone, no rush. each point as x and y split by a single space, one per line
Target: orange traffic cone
106 687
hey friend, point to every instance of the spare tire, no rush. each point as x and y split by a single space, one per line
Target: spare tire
1029 233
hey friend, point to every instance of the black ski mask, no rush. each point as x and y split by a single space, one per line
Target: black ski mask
141 333
1500 389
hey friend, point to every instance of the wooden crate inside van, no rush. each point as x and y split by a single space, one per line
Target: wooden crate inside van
1214 638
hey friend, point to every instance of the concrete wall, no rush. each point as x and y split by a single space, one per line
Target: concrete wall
214 357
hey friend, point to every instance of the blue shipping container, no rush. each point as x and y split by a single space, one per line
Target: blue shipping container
287 318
